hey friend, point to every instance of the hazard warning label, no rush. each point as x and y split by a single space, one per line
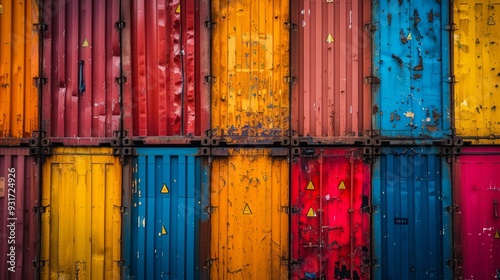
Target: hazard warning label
310 186
311 213
247 210
163 230
342 186
164 189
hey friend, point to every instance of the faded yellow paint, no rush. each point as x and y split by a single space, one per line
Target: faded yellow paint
244 245
81 228
18 67
477 70
250 50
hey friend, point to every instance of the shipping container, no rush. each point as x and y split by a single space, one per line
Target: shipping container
330 51
476 227
169 192
19 60
476 57
19 194
169 102
411 71
412 228
249 214
250 94
330 222
81 225
81 61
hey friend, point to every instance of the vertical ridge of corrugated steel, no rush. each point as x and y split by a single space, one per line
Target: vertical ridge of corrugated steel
476 59
411 58
412 230
81 59
18 67
81 228
477 225
150 252
249 221
25 196
331 58
250 63
331 231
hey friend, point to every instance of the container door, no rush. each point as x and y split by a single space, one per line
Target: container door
81 225
412 229
249 202
411 59
330 224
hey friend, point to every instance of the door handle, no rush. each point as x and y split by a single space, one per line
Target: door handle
495 202
81 81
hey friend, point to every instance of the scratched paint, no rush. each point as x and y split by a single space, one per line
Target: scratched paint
250 45
330 236
81 227
477 70
411 59
249 220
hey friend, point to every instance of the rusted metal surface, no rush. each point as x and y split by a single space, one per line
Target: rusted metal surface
330 53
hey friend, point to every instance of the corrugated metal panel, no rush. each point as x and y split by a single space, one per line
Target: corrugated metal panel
81 228
19 232
249 198
476 59
81 59
18 67
164 100
330 58
169 194
411 228
477 226
411 58
250 45
331 230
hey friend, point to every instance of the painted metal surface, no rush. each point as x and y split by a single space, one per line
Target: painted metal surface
412 230
477 192
250 50
166 99
330 52
81 227
330 236
411 59
18 67
249 221
81 61
169 195
476 59
18 195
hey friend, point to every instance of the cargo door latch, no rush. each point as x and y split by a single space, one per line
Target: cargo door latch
209 209
38 263
209 262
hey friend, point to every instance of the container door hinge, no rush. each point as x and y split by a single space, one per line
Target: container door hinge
290 210
40 81
279 152
451 80
369 209
290 26
210 24
210 79
372 80
39 209
208 263
290 79
209 209
454 263
371 27
41 26
121 209
38 263
121 80
370 262
294 263
288 262
451 27
120 24
453 209
121 263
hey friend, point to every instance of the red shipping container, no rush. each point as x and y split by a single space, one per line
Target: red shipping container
331 55
19 177
81 61
477 220
330 232
169 100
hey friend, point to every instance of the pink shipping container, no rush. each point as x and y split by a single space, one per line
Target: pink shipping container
331 102
169 100
477 217
18 197
81 61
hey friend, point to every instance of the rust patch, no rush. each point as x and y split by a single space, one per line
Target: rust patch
389 18
375 109
435 115
431 127
430 16
417 76
400 2
416 18
392 116
420 66
397 117
402 36
399 60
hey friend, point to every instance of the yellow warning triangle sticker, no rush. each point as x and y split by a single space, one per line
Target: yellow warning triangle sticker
409 36
342 186
497 235
311 213
178 9
164 189
329 38
310 186
247 210
85 43
163 230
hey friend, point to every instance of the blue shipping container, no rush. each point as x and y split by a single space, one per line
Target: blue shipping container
412 231
411 58
164 214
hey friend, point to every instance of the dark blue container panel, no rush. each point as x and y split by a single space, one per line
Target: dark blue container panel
168 196
411 58
411 227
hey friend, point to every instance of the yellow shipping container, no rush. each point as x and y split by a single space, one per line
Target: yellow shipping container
249 221
82 222
477 70
250 51
18 67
